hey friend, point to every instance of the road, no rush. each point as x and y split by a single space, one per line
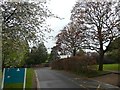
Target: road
48 78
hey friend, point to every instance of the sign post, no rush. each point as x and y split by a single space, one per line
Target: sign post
24 79
14 76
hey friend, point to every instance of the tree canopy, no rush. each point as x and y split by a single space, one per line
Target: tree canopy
37 55
54 55
101 21
23 23
70 39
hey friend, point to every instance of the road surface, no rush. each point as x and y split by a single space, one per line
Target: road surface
48 78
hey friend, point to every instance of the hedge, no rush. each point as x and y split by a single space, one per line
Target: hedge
75 63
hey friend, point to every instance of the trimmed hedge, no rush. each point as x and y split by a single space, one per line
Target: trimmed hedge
75 63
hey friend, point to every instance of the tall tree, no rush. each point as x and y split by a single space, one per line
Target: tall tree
14 53
69 39
22 24
37 55
54 55
24 20
101 20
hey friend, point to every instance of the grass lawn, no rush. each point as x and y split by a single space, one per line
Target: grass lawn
95 72
107 67
111 67
29 81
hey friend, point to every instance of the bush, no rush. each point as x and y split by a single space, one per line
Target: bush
74 64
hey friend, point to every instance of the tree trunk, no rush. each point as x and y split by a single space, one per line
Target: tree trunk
101 51
101 58
74 52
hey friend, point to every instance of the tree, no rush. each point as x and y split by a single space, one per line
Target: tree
54 55
23 23
101 20
43 54
113 51
69 39
14 53
118 11
37 55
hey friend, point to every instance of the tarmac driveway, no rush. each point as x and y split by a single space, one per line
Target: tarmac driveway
47 78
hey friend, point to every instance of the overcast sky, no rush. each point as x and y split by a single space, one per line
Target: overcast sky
61 8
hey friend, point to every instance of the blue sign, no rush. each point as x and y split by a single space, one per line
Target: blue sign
14 75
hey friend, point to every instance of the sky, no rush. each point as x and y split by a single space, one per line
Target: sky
61 8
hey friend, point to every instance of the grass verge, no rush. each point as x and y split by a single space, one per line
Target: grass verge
13 86
0 77
29 78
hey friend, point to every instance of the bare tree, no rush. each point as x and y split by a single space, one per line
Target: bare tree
69 39
101 20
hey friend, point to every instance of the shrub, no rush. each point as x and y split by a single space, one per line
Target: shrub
75 64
